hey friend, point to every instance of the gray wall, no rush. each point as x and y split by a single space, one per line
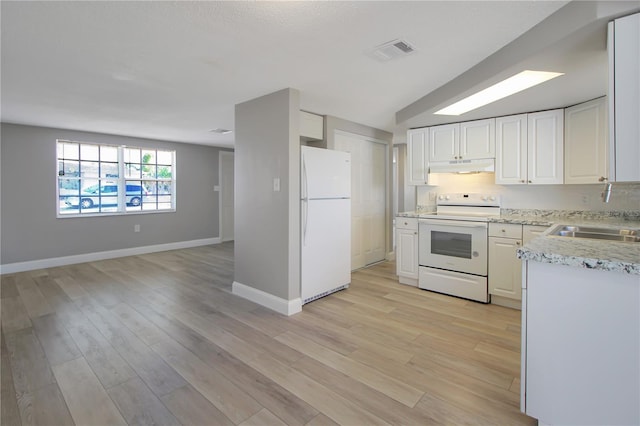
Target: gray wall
31 231
267 223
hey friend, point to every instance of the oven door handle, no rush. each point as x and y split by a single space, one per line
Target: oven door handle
452 223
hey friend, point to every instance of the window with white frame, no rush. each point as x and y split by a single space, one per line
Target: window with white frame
95 179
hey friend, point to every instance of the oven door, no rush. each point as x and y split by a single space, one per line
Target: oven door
453 245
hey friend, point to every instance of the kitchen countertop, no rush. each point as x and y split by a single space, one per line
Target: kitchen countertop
579 252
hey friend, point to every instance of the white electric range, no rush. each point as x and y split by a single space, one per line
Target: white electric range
453 245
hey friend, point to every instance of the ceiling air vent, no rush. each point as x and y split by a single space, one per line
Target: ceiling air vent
391 50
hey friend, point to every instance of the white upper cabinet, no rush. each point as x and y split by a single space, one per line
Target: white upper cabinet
511 150
463 141
417 156
444 142
545 153
311 126
624 98
478 139
585 142
529 148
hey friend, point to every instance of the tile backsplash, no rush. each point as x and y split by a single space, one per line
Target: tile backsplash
624 196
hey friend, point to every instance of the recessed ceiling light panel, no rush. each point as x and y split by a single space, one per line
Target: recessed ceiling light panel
508 87
391 50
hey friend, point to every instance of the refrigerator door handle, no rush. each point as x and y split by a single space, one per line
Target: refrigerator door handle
305 189
305 217
305 200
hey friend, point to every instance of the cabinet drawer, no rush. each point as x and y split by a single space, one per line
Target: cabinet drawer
506 230
407 223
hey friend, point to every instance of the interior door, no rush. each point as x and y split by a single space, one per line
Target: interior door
368 198
374 191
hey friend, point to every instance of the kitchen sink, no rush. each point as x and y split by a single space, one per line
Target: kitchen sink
626 235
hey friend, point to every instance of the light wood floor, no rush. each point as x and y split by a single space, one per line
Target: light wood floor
159 339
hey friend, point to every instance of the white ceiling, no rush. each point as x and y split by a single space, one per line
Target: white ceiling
175 70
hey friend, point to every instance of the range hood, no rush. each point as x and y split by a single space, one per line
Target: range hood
463 166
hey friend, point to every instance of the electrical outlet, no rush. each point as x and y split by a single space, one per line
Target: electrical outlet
136 228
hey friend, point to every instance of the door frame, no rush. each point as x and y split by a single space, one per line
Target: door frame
387 196
221 155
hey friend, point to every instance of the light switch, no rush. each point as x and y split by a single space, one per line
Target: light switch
276 184
216 188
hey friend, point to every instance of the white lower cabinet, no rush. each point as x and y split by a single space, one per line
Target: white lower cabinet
407 250
505 269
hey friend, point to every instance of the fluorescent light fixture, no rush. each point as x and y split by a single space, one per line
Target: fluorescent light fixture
508 87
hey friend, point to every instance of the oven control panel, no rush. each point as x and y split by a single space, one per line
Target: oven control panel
465 199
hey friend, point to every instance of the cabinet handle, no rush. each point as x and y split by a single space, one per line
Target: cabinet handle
517 243
415 233
522 181
529 181
602 179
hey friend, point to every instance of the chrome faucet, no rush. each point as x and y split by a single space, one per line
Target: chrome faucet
606 194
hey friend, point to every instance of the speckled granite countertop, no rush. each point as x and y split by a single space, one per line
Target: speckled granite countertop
416 213
584 253
579 252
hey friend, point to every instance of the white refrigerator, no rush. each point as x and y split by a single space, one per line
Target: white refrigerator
326 222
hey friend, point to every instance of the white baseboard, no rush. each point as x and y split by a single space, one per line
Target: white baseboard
52 262
282 306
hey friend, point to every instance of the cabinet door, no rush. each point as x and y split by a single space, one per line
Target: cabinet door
417 156
478 139
311 125
585 142
545 153
505 269
529 232
624 66
511 150
407 253
443 142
